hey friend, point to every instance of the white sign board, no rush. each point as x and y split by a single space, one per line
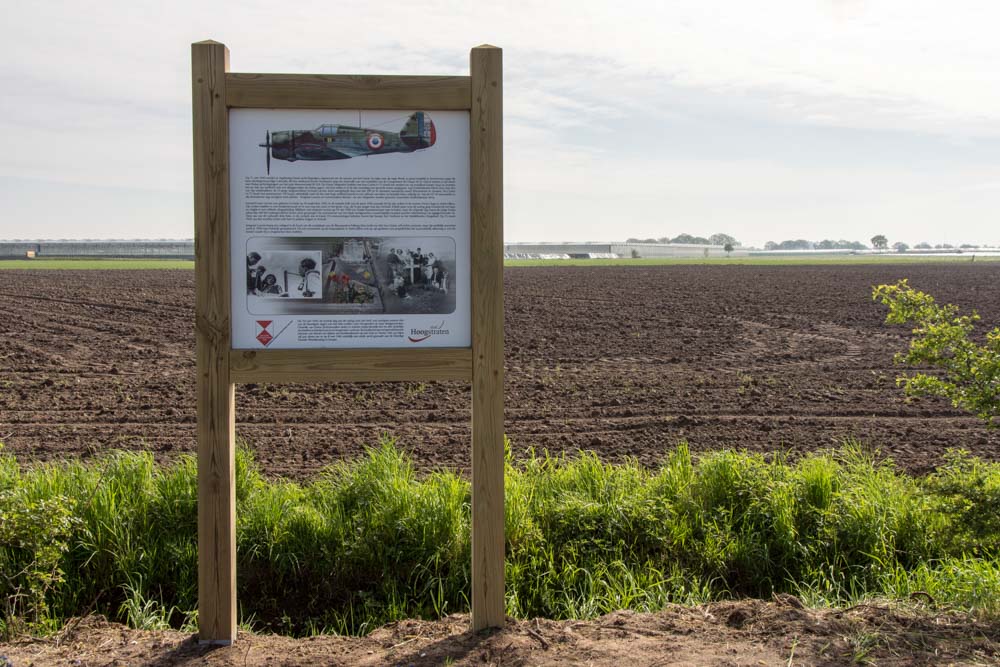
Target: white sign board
349 229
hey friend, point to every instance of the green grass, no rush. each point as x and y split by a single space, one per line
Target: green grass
826 260
96 264
369 542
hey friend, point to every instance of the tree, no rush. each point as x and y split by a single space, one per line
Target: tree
795 244
687 238
880 242
770 245
723 239
728 248
899 246
923 245
970 375
842 244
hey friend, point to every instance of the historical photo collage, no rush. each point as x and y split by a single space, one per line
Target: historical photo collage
351 275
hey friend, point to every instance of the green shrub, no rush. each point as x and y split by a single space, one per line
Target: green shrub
34 535
964 495
970 372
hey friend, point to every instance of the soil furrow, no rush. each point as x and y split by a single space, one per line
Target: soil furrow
623 361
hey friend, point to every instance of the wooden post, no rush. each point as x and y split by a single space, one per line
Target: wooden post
215 393
487 338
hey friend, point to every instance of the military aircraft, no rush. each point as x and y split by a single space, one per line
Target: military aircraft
340 142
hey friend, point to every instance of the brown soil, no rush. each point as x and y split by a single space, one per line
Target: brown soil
725 633
626 361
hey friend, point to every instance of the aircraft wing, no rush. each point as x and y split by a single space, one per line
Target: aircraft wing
343 152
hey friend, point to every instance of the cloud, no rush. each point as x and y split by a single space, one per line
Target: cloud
694 111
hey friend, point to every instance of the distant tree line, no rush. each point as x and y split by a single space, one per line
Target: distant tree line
879 242
944 246
826 244
714 239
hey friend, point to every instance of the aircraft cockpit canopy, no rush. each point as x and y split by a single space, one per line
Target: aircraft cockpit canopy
327 130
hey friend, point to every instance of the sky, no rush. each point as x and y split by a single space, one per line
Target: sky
772 120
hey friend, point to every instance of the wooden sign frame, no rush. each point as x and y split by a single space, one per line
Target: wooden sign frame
215 90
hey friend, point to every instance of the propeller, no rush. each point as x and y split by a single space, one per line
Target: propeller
267 145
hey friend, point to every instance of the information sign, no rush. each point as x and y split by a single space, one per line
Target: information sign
349 229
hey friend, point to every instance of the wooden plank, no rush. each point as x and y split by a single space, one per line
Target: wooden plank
331 91
216 430
371 365
487 338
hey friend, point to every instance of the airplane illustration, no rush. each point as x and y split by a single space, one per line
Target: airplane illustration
340 142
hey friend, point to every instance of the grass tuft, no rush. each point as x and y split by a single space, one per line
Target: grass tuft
369 542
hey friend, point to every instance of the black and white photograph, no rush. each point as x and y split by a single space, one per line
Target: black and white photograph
284 274
351 275
418 274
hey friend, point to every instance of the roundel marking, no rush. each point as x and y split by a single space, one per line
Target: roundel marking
375 141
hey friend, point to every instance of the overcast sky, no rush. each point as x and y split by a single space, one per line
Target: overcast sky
769 120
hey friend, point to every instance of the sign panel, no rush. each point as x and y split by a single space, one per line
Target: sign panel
349 229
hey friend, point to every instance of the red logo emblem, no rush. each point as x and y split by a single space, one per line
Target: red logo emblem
264 336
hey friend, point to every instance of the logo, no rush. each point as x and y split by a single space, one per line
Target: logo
264 329
420 335
264 336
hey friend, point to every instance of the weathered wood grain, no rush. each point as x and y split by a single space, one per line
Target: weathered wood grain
216 430
332 91
487 338
370 365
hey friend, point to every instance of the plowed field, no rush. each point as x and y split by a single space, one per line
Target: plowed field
626 361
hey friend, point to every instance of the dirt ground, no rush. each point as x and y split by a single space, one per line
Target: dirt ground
626 361
777 632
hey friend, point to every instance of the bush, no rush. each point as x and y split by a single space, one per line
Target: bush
34 536
970 372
